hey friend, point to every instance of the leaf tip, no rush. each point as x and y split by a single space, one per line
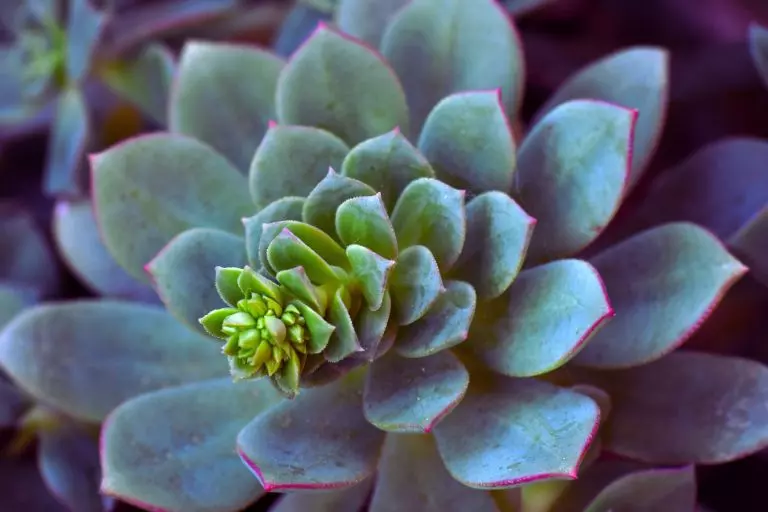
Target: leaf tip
271 124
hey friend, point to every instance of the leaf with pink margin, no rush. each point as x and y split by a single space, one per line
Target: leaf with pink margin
352 499
415 284
413 395
371 272
85 25
366 19
77 238
286 208
323 201
156 186
318 441
67 144
750 245
758 49
542 321
355 95
512 413
413 477
468 141
636 78
84 357
343 342
184 272
172 450
224 95
572 171
663 283
364 221
669 489
441 48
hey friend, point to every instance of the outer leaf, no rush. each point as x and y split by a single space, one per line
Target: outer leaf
157 186
298 26
364 221
469 142
287 251
84 27
85 357
750 244
431 213
663 284
366 19
415 284
318 441
184 272
354 94
224 96
78 241
23 489
371 272
172 449
322 203
286 208
572 173
672 489
345 500
291 160
412 477
498 233
67 144
388 163
439 48
592 480
413 395
542 321
636 78
758 48
511 412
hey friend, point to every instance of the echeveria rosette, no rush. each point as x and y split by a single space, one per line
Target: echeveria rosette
401 213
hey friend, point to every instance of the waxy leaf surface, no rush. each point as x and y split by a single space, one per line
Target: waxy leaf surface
672 489
67 145
286 208
322 203
366 19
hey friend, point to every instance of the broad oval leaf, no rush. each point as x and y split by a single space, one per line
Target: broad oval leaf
635 78
512 412
468 141
413 477
318 441
366 19
415 284
224 95
286 208
364 221
67 144
750 245
298 26
672 489
286 251
156 186
85 357
498 234
352 499
440 48
543 320
354 94
322 203
663 283
184 272
758 49
291 160
572 170
172 450
413 395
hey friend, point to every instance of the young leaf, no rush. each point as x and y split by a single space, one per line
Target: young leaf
286 208
672 489
374 330
85 25
67 145
415 284
364 221
322 203
371 272
287 251
366 19
758 49
343 340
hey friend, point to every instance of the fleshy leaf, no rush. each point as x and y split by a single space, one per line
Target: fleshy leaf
84 27
296 281
758 49
77 238
469 142
298 26
498 233
319 329
172 449
750 244
371 272
351 499
444 326
413 395
572 170
364 221
291 160
67 144
366 19
343 340
184 272
318 441
373 328
687 407
635 78
543 320
224 96
86 356
672 489
156 186
354 94
511 412
415 284
663 283
320 242
322 203
285 208
388 163
412 477
431 213
440 48
287 251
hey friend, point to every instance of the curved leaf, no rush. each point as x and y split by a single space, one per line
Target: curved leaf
22 487
65 154
758 49
287 251
298 26
286 208
322 203
345 500
672 489
663 283
156 186
343 340
543 320
318 241
375 330
371 272
415 284
364 221
85 357
85 25
366 19
439 48
750 244
172 450
354 94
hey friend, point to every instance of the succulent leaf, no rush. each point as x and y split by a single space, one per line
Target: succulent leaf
322 203
364 221
663 283
156 186
285 208
375 329
366 19
305 152
440 48
758 48
750 245
297 282
354 94
572 174
85 25
195 424
415 284
413 395
67 145
672 489
343 342
351 499
286 251
371 272
468 141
